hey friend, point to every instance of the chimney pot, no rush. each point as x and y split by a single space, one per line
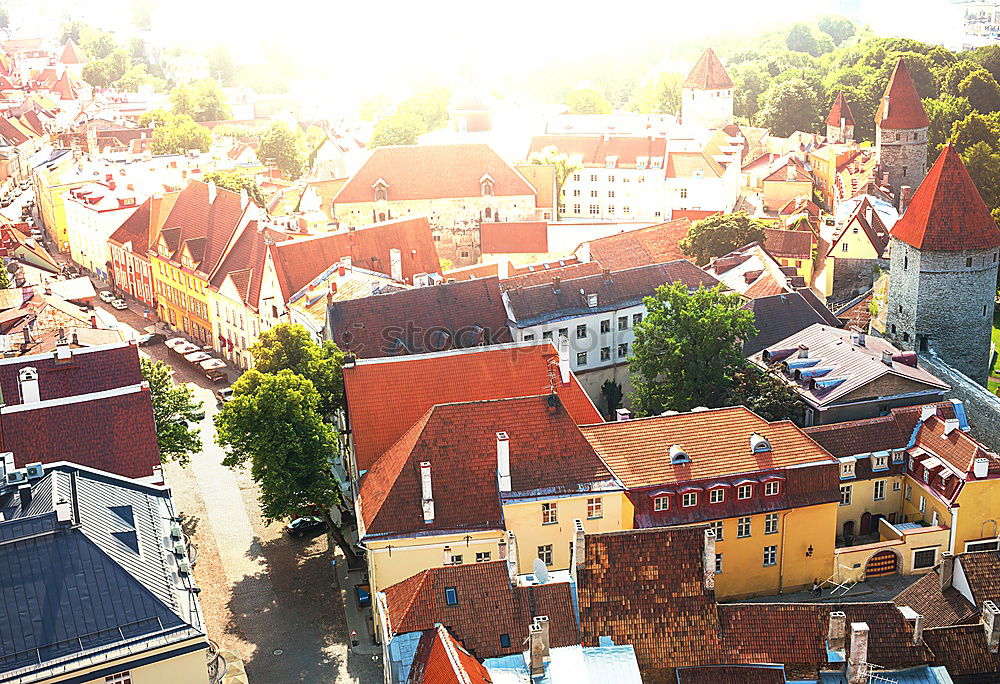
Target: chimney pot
623 414
887 357
946 569
918 630
28 378
835 633
803 351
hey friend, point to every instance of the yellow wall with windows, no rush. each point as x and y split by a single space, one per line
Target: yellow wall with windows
50 198
863 501
852 560
189 668
743 570
525 521
977 512
858 244
179 293
913 491
803 267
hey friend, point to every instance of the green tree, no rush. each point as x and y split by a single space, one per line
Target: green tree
563 164
202 101
750 81
4 277
688 348
374 106
587 101
989 58
768 396
659 95
97 43
430 106
176 413
788 106
399 128
142 13
981 90
720 234
221 65
612 393
975 128
800 38
176 133
280 146
943 113
273 423
71 29
983 163
289 346
838 28
237 181
952 76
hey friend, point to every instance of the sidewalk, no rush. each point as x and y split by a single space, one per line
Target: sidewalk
359 619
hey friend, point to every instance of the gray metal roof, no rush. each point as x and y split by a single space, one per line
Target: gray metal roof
92 588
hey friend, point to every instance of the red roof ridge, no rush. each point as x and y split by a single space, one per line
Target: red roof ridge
900 106
708 73
947 213
841 110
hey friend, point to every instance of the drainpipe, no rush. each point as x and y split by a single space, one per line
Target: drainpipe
781 553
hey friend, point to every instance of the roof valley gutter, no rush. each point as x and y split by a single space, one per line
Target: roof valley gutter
909 395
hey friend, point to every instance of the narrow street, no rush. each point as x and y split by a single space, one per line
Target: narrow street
271 599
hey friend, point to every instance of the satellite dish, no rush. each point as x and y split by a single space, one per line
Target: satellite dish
541 572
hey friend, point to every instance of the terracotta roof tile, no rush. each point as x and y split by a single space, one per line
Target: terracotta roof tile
245 261
962 649
70 54
524 237
982 572
545 275
868 219
708 73
547 452
463 314
867 435
433 172
905 109
653 245
778 316
732 674
686 164
790 244
441 659
386 397
194 219
841 110
792 171
947 213
488 607
96 370
938 608
858 312
594 150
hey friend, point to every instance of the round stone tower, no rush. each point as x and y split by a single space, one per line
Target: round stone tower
707 94
901 133
943 271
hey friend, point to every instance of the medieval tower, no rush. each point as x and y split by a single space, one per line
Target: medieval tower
707 94
943 271
901 133
840 122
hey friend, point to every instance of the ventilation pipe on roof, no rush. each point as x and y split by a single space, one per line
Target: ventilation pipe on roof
622 414
503 462
887 357
950 425
857 337
835 632
427 497
918 630
991 625
564 359
803 351
927 411
857 664
28 378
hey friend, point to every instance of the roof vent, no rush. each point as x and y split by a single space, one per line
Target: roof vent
678 455
592 300
887 357
759 443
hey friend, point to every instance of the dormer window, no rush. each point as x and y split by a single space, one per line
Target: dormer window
759 443
486 186
381 190
847 468
880 460
897 457
689 499
640 162
717 495
661 503
656 163
744 491
772 488
678 455
610 162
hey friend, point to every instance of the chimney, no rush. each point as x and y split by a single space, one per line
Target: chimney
857 337
991 625
622 414
24 491
579 545
927 411
946 569
708 560
905 193
918 630
564 359
803 351
885 107
503 462
538 636
950 425
447 555
887 357
93 321
395 264
244 198
28 377
212 192
512 569
427 497
980 467
63 352
503 269
857 663
836 630
555 284
75 338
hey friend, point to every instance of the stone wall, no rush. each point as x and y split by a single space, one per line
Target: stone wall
852 277
982 408
708 108
903 155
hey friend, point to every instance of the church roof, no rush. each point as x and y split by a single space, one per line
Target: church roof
947 212
840 110
708 73
900 106
70 54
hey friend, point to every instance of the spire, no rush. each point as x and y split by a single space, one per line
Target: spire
708 74
947 212
70 54
840 110
900 106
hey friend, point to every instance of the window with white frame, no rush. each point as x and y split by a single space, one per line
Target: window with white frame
606 325
743 527
924 558
845 495
770 556
716 526
581 332
717 495
119 678
718 564
771 488
988 545
846 469
661 503
689 499
895 486
550 514
771 523
923 504
623 350
484 556
744 491
595 508
879 492
545 553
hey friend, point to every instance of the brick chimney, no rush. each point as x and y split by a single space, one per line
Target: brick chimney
28 379
579 554
503 462
991 625
709 559
836 630
857 663
427 496
918 630
538 636
946 569
905 194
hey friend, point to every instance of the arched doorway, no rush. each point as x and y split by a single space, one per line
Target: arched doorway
882 564
849 530
866 523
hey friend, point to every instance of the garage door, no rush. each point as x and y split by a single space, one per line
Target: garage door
881 564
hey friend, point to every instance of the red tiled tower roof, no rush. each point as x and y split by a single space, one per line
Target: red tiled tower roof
900 106
708 73
947 213
70 54
840 110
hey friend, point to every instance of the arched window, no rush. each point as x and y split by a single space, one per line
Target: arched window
380 193
487 188
489 213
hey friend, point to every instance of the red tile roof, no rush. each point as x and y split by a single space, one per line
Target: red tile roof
790 244
93 370
867 217
299 261
653 245
867 435
70 54
594 150
488 607
423 172
114 433
385 397
963 650
947 213
547 452
693 214
708 73
792 171
840 110
568 272
859 313
142 227
732 674
905 110
208 227
524 237
244 261
717 442
441 659
458 315
686 164
646 588
938 608
957 447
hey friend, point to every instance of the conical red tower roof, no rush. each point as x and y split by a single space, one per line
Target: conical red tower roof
947 212
840 110
708 73
70 54
900 106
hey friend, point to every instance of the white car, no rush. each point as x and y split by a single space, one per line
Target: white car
119 304
107 296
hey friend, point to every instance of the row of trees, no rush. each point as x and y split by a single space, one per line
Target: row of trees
423 112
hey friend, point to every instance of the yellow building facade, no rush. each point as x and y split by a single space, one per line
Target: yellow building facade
182 296
50 198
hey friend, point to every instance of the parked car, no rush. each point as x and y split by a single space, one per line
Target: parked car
223 395
107 296
147 339
300 527
6 201
119 304
25 184
363 595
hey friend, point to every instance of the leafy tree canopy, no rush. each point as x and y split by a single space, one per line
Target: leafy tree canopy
720 234
282 147
202 101
400 128
176 413
943 113
789 106
237 181
564 165
659 95
838 28
587 101
289 346
176 133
